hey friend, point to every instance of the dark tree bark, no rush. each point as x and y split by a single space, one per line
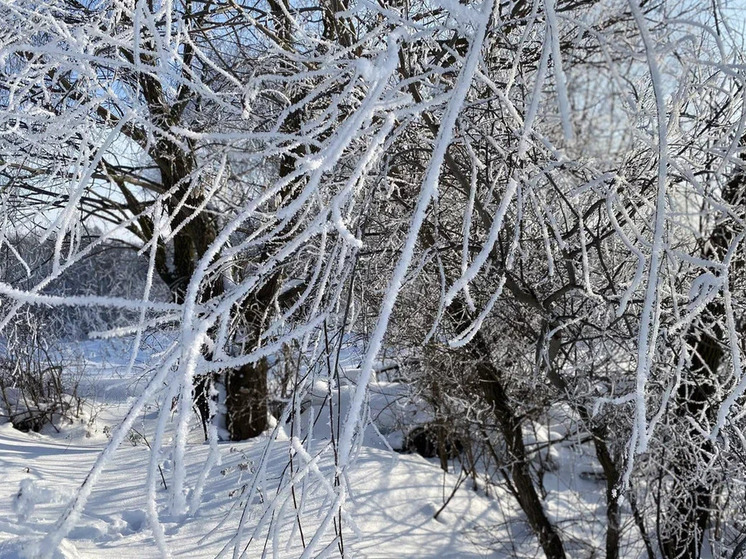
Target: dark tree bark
613 512
510 425
246 387
246 400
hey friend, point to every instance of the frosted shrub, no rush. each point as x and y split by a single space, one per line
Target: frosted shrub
34 387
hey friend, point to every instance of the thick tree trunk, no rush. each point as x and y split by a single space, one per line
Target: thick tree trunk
246 387
177 164
246 401
613 512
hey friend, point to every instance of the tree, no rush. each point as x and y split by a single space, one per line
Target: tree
573 253
538 177
132 100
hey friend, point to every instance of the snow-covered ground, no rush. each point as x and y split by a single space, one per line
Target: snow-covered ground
393 497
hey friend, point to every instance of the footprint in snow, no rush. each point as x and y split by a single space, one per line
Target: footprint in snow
94 530
135 521
32 493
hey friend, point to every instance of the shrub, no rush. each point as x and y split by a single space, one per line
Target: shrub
33 386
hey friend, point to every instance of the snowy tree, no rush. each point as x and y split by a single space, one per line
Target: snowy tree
570 217
555 185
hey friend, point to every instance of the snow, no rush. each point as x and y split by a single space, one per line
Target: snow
394 500
391 497
130 473
41 476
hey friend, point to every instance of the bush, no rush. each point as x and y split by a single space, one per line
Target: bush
34 389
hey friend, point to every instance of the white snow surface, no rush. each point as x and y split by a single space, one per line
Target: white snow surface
394 502
393 497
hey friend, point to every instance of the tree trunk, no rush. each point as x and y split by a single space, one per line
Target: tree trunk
613 512
246 400
510 427
246 387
